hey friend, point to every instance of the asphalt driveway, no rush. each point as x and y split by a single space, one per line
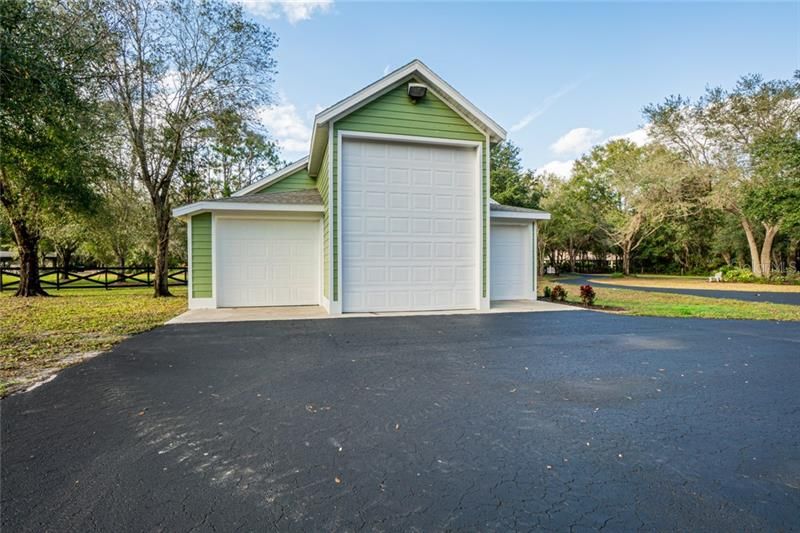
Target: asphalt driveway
481 422
787 298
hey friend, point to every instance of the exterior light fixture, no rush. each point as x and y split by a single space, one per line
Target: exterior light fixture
416 91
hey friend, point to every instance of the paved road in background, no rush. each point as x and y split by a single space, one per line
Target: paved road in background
790 298
470 422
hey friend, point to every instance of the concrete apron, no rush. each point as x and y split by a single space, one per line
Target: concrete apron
310 312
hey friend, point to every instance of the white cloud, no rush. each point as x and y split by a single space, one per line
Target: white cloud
545 105
293 10
575 141
638 137
284 124
562 169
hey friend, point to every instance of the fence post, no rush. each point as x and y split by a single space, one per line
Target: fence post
148 276
58 279
106 277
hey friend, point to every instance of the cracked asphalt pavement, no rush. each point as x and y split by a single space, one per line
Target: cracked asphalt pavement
541 421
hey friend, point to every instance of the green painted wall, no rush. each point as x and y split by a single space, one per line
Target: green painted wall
298 181
201 255
322 184
394 113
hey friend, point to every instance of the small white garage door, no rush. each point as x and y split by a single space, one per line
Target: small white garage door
267 262
511 249
409 226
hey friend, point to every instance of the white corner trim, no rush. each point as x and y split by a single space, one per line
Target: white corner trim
520 215
486 224
190 250
337 306
535 276
274 177
244 206
431 78
214 259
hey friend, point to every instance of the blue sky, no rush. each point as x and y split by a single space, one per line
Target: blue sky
557 76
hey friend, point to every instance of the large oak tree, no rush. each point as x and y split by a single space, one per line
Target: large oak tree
50 126
744 137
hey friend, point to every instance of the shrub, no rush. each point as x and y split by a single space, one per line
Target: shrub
587 295
617 275
547 292
742 275
558 293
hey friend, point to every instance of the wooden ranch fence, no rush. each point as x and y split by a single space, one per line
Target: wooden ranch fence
92 278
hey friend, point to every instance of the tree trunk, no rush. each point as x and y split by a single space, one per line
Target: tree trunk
571 256
626 260
28 245
726 256
755 258
766 249
65 256
161 279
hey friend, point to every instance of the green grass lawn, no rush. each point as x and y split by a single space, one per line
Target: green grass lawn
633 302
40 334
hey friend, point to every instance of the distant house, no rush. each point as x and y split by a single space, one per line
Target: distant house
390 211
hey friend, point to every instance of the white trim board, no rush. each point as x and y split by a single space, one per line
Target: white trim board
519 215
244 206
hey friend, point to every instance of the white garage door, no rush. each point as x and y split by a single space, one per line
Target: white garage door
267 262
409 227
509 262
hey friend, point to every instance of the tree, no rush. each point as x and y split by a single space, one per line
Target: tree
572 224
50 54
120 227
738 136
223 157
632 191
510 185
178 63
65 232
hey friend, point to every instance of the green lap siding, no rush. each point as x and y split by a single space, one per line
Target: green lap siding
322 186
298 181
201 256
394 113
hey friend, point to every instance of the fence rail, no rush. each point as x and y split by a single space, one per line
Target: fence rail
92 278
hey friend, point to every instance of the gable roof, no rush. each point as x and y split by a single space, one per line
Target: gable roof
285 172
415 69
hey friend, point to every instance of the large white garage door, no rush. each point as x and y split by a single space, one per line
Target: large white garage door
409 226
267 262
509 262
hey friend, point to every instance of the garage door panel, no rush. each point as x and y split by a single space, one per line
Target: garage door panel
409 238
267 262
509 251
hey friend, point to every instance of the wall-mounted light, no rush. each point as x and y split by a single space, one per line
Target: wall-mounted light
416 91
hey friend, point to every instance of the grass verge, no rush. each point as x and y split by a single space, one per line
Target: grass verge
676 282
41 335
640 303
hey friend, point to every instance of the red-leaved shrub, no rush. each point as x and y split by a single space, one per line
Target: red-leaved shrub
587 295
